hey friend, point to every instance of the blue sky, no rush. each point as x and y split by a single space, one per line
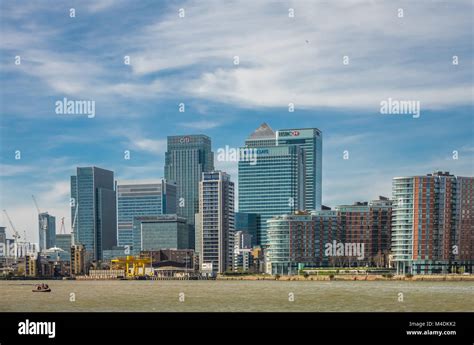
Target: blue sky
191 60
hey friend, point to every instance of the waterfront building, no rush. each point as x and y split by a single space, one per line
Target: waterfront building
183 258
274 185
78 260
168 231
216 212
367 223
187 157
93 194
141 198
432 229
47 231
298 240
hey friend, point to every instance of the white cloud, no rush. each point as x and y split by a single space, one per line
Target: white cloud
278 66
201 124
14 170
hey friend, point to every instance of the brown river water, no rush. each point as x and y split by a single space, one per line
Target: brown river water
246 296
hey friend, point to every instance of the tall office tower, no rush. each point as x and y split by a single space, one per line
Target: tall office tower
93 194
432 221
47 231
247 222
311 141
141 198
367 223
186 159
273 186
167 231
216 211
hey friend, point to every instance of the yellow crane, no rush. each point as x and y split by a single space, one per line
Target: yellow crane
133 262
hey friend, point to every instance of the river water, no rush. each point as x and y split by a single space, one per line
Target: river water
246 296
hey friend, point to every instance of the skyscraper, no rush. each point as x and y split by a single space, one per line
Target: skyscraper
274 185
47 231
432 221
93 194
141 198
187 157
216 212
311 141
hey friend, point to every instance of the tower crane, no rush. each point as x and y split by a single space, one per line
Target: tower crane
16 235
74 225
63 228
43 223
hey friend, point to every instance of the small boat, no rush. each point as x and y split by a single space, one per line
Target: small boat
41 288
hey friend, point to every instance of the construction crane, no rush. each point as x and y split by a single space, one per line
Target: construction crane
36 204
63 228
74 225
43 223
16 235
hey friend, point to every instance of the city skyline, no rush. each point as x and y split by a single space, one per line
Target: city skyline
138 105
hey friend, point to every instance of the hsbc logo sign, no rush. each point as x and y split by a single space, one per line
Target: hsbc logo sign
289 134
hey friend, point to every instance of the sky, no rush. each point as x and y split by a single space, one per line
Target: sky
336 61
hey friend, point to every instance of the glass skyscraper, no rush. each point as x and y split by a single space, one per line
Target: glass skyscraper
187 157
167 231
47 231
311 141
93 194
286 177
141 198
274 185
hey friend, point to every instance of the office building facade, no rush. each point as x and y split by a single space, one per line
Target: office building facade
432 223
141 198
187 157
273 186
93 194
311 141
47 231
247 222
216 212
152 233
63 241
